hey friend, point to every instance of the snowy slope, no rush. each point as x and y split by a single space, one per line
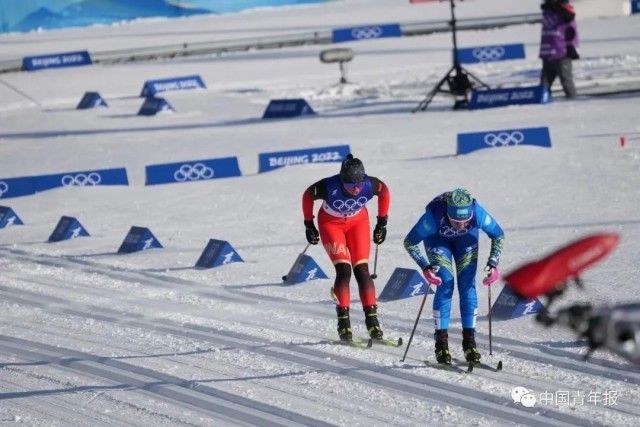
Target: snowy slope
89 337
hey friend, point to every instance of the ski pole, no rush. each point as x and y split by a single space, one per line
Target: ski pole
300 255
375 264
489 291
415 325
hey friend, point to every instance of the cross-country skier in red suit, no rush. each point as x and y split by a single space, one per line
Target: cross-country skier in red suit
344 230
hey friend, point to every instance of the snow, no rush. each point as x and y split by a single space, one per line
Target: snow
89 337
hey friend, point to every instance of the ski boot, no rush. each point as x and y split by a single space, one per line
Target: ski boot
371 320
442 346
344 324
471 353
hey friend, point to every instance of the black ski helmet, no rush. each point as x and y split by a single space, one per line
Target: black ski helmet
352 170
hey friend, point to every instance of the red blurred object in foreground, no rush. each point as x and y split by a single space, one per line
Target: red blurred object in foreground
540 277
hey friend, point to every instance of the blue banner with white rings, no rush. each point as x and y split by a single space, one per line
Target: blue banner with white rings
16 187
492 98
366 32
90 178
468 142
192 170
151 87
56 60
278 159
473 55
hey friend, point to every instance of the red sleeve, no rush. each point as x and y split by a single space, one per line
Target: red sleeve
384 196
314 192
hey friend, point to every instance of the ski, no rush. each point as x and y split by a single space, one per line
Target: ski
390 342
482 365
354 344
447 367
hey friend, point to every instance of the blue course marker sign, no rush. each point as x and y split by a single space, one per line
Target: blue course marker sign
492 98
468 142
116 176
68 228
635 6
404 283
152 106
16 187
509 306
192 170
216 253
367 32
473 55
91 100
138 239
286 108
56 60
151 87
279 159
304 270
8 217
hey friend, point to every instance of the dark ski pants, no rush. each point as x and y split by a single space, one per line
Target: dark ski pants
562 68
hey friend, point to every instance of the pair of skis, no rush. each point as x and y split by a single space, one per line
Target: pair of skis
464 367
364 343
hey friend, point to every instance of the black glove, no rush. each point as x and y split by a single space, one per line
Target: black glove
311 232
572 52
380 231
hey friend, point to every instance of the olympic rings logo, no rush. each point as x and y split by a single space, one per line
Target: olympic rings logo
504 139
81 180
349 205
362 33
490 53
4 187
448 231
193 172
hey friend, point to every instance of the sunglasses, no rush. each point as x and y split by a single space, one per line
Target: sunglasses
353 188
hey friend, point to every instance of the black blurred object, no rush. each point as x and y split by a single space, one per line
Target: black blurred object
380 230
459 80
572 52
311 233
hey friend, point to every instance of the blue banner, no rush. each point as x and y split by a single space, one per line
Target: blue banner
56 60
278 159
138 239
91 100
366 32
303 270
8 217
468 142
285 108
509 306
152 106
216 253
16 187
151 87
117 176
192 170
473 55
68 228
492 98
635 6
404 283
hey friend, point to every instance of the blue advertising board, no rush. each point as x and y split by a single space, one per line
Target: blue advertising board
635 6
492 98
474 55
116 176
56 60
286 108
151 87
154 105
138 239
279 159
16 187
404 283
216 253
8 217
68 228
303 270
508 305
192 170
366 32
468 142
91 100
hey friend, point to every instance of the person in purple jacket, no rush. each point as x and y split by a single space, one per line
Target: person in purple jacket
558 45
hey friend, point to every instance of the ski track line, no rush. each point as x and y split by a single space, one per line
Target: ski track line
365 372
212 401
602 369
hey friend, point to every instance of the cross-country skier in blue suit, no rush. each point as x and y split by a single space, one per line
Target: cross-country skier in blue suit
449 230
